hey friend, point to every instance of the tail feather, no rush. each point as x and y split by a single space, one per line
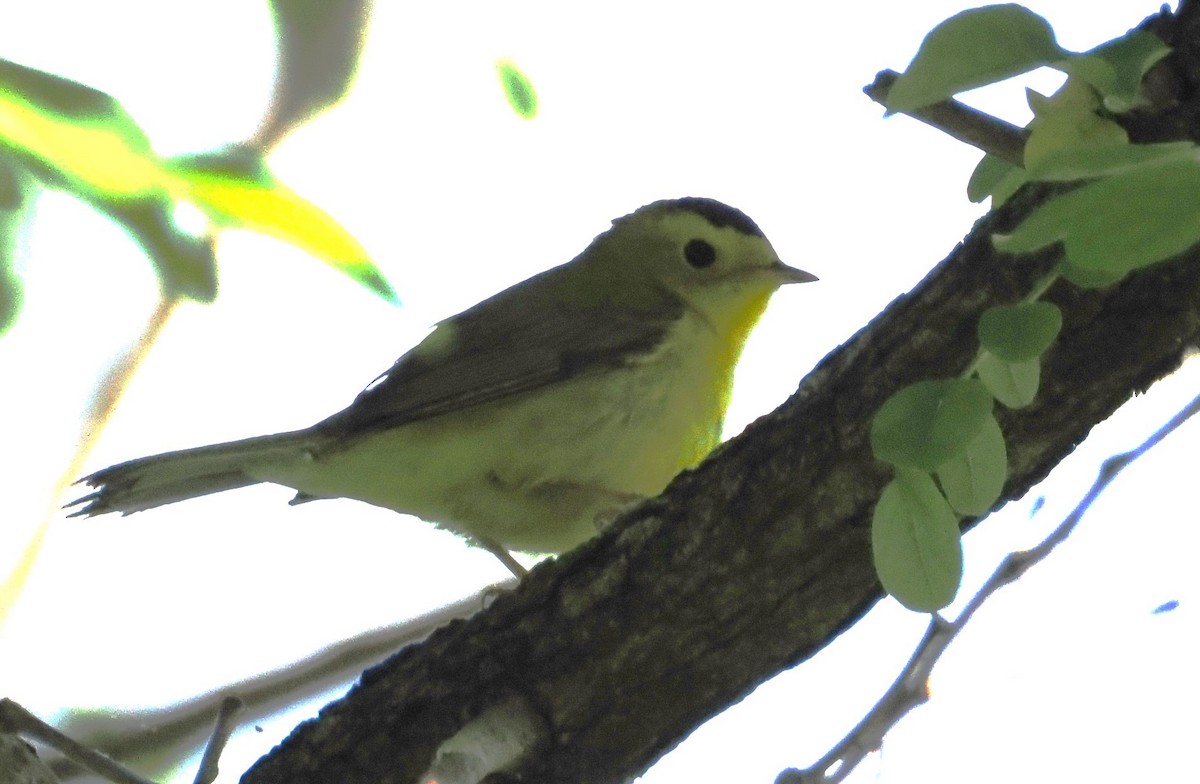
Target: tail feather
174 476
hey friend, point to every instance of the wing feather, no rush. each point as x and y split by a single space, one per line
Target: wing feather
522 339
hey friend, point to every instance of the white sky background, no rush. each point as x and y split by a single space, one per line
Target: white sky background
1067 676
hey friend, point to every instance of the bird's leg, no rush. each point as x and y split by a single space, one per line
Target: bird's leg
504 555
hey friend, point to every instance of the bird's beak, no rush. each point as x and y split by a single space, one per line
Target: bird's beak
791 274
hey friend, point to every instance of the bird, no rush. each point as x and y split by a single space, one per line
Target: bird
531 419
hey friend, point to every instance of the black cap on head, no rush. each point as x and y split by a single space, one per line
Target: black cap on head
716 213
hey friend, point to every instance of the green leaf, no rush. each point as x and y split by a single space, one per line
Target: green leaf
999 180
988 174
1066 120
80 139
1088 161
12 190
236 162
64 97
1095 72
1090 278
1120 223
186 264
517 89
1021 331
12 294
927 423
81 134
16 187
1008 186
319 46
916 543
235 189
1116 68
1069 130
976 47
1014 384
974 480
1136 219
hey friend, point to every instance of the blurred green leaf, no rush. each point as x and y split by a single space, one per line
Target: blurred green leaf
16 187
1014 384
236 162
81 133
81 140
927 423
973 48
12 296
235 190
518 89
916 543
12 190
1019 332
64 97
974 480
186 264
319 45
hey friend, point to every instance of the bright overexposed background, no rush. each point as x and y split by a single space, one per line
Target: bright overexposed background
1069 675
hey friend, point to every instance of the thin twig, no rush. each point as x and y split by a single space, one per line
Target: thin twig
224 727
978 129
909 690
104 402
171 734
17 720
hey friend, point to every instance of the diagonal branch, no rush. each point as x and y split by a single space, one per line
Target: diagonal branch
757 559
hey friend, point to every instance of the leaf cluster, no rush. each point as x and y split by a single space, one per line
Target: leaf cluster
1134 206
58 133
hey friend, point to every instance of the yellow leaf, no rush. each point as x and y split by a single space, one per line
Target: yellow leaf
103 156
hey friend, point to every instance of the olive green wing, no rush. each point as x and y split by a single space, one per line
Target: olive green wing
524 338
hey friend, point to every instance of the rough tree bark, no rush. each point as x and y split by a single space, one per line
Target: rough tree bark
757 559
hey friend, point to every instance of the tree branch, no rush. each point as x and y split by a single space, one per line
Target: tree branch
978 129
755 560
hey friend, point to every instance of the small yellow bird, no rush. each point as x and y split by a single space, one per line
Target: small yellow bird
529 420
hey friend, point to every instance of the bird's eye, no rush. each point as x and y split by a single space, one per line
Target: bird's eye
699 254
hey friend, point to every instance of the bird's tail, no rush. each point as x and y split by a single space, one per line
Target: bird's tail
174 476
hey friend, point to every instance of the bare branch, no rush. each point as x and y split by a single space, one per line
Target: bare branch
978 129
172 734
909 689
224 727
16 719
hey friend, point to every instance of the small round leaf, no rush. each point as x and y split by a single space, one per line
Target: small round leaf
973 481
926 424
1019 332
916 544
1014 384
